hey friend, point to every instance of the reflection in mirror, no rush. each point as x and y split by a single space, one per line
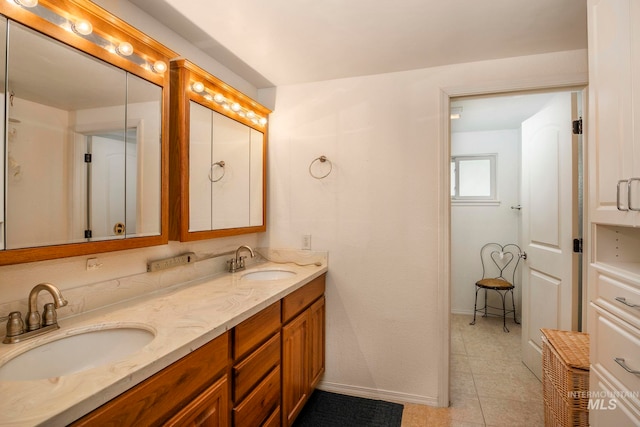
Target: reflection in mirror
225 172
86 139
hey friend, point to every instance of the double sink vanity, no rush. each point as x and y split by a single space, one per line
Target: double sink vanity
153 359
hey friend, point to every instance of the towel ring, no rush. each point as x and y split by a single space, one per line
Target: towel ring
321 159
221 164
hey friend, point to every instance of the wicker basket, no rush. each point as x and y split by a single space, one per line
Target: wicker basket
565 377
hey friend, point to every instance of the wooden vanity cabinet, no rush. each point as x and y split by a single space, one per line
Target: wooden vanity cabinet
303 358
256 368
260 373
192 391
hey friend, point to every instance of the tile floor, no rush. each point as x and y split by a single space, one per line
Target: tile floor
489 384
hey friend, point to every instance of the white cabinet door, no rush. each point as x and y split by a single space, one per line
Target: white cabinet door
614 64
199 167
230 192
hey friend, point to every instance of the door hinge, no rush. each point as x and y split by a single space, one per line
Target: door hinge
87 158
577 126
87 234
577 246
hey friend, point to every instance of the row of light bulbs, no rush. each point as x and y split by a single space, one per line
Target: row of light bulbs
200 88
84 28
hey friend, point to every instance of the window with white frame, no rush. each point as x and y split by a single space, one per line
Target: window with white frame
473 178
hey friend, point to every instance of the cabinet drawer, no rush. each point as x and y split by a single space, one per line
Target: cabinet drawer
255 330
608 288
607 407
155 399
298 300
616 339
260 403
251 370
274 419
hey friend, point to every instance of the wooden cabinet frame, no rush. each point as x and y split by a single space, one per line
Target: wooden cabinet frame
183 75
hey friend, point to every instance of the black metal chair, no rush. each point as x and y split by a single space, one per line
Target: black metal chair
499 267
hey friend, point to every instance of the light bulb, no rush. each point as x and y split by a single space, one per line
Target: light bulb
159 67
27 3
263 121
197 87
235 106
82 27
251 114
218 98
125 49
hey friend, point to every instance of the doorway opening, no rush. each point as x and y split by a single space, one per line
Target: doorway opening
508 174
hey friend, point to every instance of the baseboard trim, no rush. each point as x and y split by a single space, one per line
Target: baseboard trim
470 312
370 393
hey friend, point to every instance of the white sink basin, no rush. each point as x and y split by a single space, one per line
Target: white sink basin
268 275
75 353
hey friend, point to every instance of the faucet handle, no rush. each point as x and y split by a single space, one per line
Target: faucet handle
241 262
49 315
15 324
231 265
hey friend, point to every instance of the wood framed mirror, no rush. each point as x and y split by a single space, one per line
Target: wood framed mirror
85 147
218 157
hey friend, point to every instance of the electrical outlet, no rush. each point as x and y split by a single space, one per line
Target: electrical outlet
306 242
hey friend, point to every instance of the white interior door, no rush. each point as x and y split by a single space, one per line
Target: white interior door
549 209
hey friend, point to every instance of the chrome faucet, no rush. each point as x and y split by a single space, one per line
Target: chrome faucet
35 326
237 263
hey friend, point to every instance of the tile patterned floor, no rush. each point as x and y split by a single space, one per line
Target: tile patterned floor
489 384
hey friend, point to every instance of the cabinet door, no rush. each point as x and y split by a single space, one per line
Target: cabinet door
316 342
613 67
210 409
200 136
295 367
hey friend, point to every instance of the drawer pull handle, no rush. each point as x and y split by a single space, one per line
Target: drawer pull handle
618 203
623 300
629 185
620 361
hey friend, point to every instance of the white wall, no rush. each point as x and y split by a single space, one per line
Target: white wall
37 195
474 225
381 211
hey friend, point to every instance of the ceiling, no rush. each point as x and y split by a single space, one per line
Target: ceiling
499 112
280 42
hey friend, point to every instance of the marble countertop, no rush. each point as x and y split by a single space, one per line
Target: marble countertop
182 317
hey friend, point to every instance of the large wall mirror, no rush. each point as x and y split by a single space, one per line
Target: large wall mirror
85 157
219 147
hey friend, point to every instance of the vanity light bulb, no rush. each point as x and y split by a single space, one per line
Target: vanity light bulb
125 49
197 87
82 27
251 114
263 121
159 67
27 3
235 106
218 98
